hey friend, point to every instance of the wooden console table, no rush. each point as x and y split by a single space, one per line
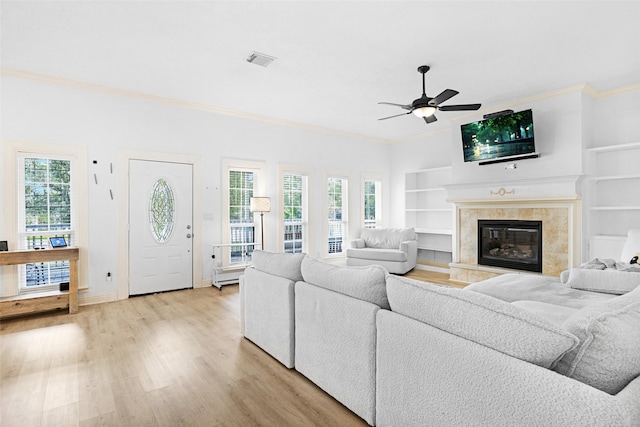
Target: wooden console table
30 303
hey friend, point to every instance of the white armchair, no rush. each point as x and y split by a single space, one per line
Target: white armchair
396 249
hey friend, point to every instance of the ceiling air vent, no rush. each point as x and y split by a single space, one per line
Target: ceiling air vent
260 59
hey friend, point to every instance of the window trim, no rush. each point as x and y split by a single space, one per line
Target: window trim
80 188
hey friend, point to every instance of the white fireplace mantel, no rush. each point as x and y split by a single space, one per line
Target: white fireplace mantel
543 189
556 201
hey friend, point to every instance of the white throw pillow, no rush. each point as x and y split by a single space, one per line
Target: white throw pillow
631 245
387 238
482 319
364 283
606 281
608 356
279 264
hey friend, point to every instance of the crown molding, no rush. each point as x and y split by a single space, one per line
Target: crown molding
60 81
93 87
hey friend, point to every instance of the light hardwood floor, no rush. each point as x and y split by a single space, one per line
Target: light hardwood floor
169 359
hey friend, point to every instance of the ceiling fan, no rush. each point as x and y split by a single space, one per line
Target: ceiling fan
425 107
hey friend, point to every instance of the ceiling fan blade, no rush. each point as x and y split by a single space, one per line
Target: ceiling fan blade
397 115
430 119
446 94
463 107
406 107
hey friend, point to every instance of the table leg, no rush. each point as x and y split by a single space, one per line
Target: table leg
73 286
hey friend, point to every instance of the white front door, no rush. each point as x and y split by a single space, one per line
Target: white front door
160 226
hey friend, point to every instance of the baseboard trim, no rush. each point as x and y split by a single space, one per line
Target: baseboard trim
97 299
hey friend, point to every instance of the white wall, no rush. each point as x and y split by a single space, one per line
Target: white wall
565 123
108 124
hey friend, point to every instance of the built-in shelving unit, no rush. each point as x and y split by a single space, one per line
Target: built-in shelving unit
614 208
427 210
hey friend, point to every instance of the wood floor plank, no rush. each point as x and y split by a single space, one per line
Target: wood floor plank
169 359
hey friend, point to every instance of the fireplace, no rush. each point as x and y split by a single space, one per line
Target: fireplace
510 244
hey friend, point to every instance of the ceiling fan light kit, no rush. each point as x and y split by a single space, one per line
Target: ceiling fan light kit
425 107
424 111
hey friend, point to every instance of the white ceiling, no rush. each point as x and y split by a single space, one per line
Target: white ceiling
335 60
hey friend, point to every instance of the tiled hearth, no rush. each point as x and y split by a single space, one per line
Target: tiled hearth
554 201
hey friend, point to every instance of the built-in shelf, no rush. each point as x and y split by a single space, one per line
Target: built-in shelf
615 177
615 208
428 211
613 201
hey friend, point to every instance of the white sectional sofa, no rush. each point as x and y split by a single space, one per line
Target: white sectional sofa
522 350
395 249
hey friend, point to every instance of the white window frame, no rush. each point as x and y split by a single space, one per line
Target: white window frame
259 170
285 169
344 222
379 178
12 153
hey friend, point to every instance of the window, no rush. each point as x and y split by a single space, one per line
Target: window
371 202
294 194
336 214
44 197
241 226
45 210
242 181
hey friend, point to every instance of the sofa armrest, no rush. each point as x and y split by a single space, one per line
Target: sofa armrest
411 249
430 377
357 243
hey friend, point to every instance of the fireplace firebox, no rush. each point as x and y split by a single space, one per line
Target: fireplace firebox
510 244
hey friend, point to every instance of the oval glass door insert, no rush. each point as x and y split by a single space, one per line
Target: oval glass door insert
162 211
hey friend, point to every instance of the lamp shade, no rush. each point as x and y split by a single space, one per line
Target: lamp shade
260 204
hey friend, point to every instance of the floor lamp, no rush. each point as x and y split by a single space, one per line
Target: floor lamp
261 205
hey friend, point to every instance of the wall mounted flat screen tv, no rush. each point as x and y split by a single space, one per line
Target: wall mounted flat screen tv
508 135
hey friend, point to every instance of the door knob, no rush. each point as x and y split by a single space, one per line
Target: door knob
188 235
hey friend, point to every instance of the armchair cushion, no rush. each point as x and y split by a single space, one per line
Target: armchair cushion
387 238
378 254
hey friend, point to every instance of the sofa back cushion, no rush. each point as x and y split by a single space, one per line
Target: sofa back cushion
364 283
482 319
387 238
279 264
607 281
608 356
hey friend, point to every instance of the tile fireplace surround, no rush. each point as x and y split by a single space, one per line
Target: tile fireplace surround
553 200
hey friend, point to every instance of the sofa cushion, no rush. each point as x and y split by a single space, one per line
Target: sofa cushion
387 238
517 287
378 254
608 356
279 264
364 283
556 314
631 246
482 319
607 281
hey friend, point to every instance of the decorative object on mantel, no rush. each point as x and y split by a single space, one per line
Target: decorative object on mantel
4 246
261 205
503 192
